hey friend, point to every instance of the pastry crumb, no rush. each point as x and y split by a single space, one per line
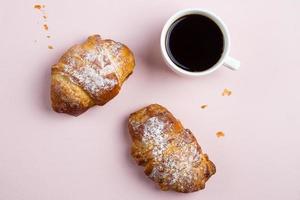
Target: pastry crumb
44 16
204 106
220 134
226 92
46 27
37 6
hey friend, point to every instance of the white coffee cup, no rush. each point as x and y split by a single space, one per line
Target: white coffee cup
225 59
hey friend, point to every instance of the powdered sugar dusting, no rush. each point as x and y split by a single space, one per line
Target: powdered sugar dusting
91 67
178 167
153 133
90 56
91 79
175 168
112 52
116 48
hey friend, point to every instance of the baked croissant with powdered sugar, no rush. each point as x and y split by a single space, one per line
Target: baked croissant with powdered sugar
89 74
170 154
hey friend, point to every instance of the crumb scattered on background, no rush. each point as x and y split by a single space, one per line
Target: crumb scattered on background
226 92
41 9
37 6
46 27
220 134
204 106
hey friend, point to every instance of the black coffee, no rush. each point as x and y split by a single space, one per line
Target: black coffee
194 43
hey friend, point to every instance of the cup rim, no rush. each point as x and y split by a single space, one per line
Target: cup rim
202 12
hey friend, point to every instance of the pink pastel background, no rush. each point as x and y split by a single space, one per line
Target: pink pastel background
50 156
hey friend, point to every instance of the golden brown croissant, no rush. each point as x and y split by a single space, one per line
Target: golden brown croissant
169 153
89 74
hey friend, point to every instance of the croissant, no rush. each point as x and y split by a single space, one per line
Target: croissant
169 153
89 74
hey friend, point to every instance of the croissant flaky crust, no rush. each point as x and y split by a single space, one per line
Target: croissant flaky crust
89 74
169 153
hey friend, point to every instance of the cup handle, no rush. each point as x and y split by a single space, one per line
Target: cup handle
232 63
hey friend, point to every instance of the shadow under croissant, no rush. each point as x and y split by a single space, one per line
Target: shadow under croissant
44 89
